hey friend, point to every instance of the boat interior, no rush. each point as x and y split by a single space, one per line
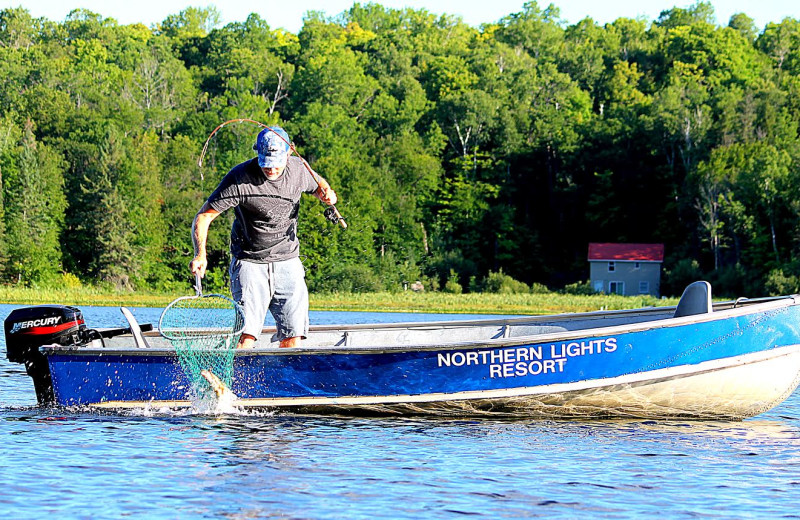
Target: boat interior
695 303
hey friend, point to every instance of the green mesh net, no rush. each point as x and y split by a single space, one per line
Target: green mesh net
204 331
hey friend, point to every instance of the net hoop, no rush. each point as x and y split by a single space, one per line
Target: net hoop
175 333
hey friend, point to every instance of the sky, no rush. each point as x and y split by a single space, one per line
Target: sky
288 14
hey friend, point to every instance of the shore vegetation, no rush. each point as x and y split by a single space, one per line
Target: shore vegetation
403 301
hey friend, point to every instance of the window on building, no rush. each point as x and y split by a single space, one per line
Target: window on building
612 266
636 265
644 287
598 286
616 287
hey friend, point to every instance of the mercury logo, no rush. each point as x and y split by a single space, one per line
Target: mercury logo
34 323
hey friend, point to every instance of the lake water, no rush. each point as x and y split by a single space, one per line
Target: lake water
79 464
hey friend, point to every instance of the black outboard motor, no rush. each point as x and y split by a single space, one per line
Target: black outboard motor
29 328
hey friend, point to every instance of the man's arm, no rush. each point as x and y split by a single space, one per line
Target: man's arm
199 237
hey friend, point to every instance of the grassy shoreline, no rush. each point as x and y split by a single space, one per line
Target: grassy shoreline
432 302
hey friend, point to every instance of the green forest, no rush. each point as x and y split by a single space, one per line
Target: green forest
469 159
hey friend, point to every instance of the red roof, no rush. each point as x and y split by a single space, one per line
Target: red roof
629 252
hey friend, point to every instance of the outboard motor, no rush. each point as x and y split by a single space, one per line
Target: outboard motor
29 328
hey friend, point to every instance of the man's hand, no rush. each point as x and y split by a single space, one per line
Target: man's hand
199 265
327 195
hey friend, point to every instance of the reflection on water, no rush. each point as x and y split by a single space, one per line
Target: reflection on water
163 464
332 467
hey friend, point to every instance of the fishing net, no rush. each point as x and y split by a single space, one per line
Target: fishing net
204 330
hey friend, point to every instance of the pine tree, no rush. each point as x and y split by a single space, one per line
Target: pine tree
34 206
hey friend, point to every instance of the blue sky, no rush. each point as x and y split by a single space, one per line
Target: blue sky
288 14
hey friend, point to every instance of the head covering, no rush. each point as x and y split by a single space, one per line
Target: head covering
272 145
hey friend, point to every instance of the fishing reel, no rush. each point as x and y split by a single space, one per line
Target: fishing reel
334 216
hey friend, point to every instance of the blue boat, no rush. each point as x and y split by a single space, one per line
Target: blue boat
696 360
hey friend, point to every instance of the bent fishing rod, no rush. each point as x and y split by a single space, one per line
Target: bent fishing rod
331 213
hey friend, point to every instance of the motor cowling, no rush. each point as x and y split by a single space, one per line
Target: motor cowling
29 328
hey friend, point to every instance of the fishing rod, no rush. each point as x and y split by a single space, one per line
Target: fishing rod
331 213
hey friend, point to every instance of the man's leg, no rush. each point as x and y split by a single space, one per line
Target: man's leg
251 287
289 303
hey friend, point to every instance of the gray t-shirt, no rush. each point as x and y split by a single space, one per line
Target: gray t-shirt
265 227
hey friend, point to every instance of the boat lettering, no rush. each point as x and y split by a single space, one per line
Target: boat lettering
486 357
534 368
583 348
528 360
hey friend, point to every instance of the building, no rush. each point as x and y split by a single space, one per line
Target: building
628 269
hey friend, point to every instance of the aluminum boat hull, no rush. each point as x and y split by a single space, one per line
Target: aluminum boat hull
735 362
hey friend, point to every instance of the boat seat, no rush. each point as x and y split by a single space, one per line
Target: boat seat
696 299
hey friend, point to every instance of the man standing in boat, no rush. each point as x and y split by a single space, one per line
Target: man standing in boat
266 272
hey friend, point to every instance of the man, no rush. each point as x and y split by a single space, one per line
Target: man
266 272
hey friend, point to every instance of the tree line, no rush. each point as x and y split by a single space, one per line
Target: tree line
461 155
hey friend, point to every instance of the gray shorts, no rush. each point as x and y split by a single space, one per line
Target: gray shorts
279 287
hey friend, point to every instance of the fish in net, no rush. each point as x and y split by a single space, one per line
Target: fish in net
204 330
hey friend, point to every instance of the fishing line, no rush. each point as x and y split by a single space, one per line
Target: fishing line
331 213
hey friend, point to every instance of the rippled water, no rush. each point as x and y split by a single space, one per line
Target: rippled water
79 464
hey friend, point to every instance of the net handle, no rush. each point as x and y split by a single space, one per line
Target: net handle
198 285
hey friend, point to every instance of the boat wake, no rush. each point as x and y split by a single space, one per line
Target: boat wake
203 407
